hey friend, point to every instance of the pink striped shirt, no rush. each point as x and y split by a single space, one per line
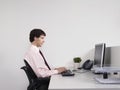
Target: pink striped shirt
37 63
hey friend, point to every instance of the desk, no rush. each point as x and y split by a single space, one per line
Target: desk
81 81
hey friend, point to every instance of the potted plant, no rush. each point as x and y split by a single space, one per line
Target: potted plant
77 61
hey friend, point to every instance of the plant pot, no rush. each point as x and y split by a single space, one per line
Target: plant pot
76 65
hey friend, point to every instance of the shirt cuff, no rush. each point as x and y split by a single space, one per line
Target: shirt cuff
56 71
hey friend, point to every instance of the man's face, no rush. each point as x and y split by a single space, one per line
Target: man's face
39 41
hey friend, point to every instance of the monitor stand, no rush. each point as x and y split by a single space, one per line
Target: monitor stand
107 78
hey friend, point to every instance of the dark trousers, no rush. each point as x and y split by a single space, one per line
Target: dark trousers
45 83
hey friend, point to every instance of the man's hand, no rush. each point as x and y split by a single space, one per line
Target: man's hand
61 69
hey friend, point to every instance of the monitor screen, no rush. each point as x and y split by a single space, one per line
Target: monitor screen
99 55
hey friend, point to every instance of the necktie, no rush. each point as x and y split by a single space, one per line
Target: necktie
44 60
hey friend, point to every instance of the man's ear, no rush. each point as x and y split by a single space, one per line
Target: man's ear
35 38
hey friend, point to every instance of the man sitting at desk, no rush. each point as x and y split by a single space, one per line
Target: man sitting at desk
35 57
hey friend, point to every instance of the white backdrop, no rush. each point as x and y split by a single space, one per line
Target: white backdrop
73 27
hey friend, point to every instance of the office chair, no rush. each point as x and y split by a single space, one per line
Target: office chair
35 83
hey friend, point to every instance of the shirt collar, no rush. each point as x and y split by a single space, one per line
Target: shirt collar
35 48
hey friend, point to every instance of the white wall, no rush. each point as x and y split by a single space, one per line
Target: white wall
73 27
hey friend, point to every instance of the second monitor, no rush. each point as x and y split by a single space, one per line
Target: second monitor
99 55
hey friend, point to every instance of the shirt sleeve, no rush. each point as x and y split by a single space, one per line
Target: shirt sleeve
46 73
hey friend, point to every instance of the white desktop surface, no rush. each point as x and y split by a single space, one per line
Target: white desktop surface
81 81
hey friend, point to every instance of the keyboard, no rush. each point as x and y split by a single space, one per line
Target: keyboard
67 73
109 80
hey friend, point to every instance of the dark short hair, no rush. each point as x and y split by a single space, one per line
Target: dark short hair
36 33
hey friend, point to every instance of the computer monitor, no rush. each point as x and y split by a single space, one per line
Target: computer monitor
99 55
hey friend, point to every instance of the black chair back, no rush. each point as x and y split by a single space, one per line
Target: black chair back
31 75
